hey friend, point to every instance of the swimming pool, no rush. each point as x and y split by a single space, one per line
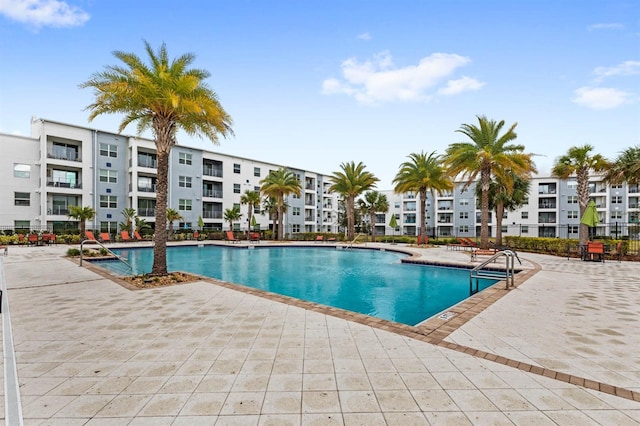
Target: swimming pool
371 282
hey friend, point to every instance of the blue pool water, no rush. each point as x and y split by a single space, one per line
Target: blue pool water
370 282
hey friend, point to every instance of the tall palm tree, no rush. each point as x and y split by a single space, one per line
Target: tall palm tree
420 174
502 199
579 161
172 216
81 214
251 199
488 154
164 96
232 215
372 203
626 167
352 181
278 185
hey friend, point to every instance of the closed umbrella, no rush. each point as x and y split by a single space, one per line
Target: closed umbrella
394 224
590 216
253 222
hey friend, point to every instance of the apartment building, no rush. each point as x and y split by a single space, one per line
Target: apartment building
551 210
63 165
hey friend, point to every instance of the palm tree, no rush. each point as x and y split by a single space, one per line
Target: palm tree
82 214
420 174
232 215
130 215
278 185
372 203
172 216
251 199
502 198
488 154
164 96
626 167
580 162
352 181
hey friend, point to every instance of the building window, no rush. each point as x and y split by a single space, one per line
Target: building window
108 176
108 202
236 168
524 215
505 229
572 214
110 227
184 205
616 186
296 211
464 229
524 229
236 188
184 181
108 150
573 229
464 215
21 225
295 196
617 199
236 206
256 171
184 225
22 199
184 158
295 228
21 170
464 201
616 215
572 184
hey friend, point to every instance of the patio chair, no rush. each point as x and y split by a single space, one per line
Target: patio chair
124 236
595 251
48 238
137 235
461 244
254 237
89 236
469 242
105 237
231 237
319 239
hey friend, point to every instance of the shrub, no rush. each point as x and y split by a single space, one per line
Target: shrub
73 252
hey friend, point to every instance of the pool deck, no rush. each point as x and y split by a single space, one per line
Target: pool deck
562 347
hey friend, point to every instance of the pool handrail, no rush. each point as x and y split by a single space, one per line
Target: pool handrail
106 248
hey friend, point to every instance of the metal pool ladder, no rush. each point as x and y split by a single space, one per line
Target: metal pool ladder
107 249
508 274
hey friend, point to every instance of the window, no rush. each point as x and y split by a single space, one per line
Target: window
464 215
184 181
236 206
616 215
108 150
396 205
572 214
295 196
21 170
108 176
236 188
505 229
184 205
21 225
184 158
524 229
572 199
236 168
616 186
22 199
296 211
617 199
184 225
110 227
464 229
108 202
295 228
256 189
256 171
573 229
464 201
524 215
572 184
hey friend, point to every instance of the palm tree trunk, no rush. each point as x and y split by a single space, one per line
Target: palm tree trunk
351 231
485 178
160 237
423 216
280 219
372 219
499 213
582 178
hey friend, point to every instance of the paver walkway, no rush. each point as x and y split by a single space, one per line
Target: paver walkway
91 352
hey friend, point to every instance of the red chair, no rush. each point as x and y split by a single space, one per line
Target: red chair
137 235
90 236
33 239
105 237
124 235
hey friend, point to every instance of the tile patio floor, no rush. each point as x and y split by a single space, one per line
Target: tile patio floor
90 352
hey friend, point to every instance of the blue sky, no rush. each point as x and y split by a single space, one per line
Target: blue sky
312 84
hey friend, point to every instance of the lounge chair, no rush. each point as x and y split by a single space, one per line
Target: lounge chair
137 236
105 237
196 235
231 237
254 237
420 240
49 238
124 236
331 239
595 251
319 239
89 236
469 242
461 244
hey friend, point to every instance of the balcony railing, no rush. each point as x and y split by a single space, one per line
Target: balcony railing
210 171
212 193
546 205
62 154
546 191
151 188
211 214
150 163
58 210
64 183
147 212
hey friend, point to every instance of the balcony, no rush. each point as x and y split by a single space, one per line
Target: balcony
546 205
212 193
212 171
147 212
67 154
151 188
150 163
64 183
212 214
59 210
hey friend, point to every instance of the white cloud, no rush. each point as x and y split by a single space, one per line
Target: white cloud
39 13
378 80
600 97
610 26
364 36
624 69
463 84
